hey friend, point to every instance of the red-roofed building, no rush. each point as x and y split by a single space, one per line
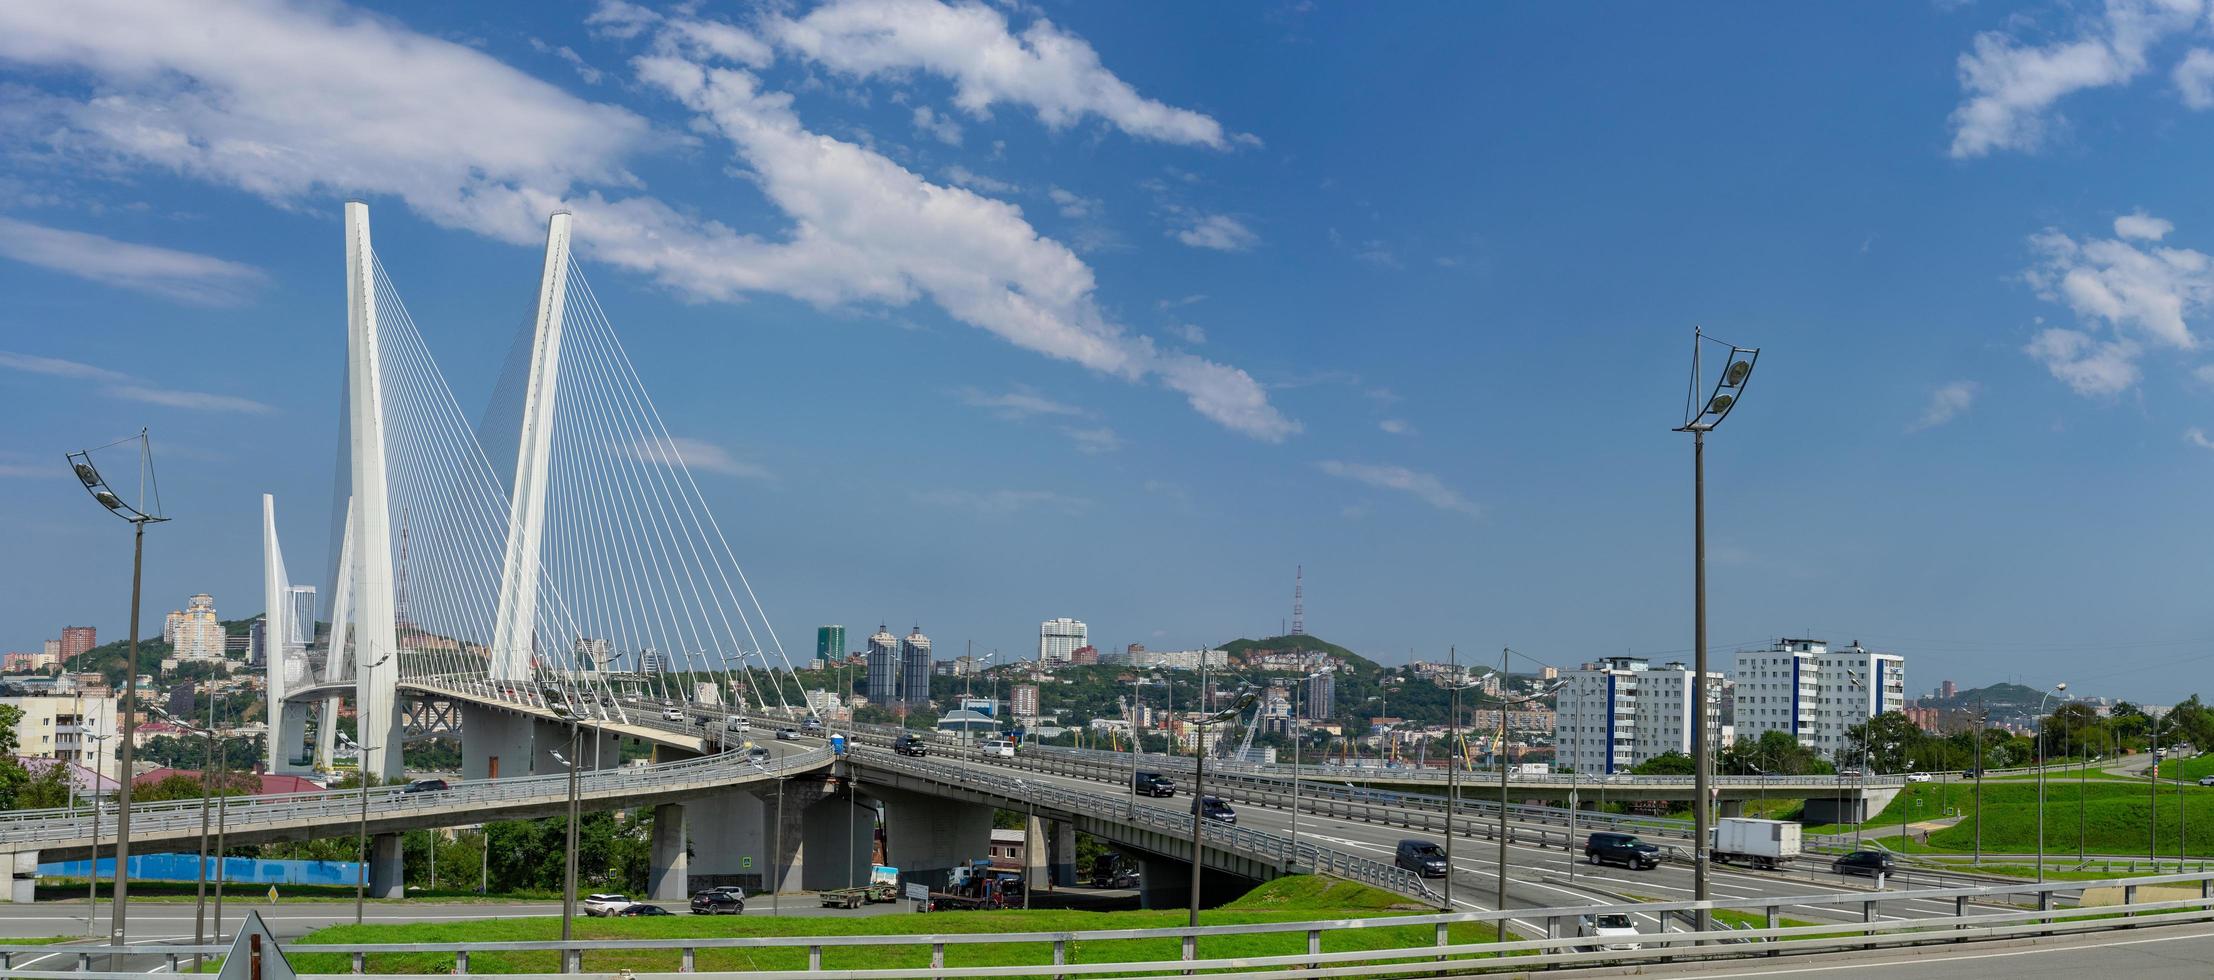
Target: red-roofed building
269 783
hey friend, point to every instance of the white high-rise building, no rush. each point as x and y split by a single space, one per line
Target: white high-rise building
193 631
1815 693
1058 640
1622 711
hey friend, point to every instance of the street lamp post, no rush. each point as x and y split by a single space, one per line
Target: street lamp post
2060 688
1983 719
1499 756
1699 419
92 871
1199 776
361 840
139 516
1297 690
1453 757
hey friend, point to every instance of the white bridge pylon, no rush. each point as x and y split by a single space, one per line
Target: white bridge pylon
595 575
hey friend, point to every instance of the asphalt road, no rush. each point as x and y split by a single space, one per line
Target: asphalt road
2171 953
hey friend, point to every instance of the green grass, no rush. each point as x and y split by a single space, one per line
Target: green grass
2192 769
1284 900
2058 871
65 889
39 940
2115 816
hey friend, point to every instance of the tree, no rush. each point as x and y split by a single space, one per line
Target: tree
1666 764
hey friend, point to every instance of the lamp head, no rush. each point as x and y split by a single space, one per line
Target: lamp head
2062 686
1729 386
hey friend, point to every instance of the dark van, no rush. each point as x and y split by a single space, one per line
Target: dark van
1212 808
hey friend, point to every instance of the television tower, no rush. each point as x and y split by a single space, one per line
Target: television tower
1299 600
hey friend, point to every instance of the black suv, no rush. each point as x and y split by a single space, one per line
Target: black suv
1212 808
1622 849
1870 863
1152 784
910 745
1421 857
426 786
727 900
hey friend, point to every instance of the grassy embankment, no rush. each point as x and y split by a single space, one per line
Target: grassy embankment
1284 900
2115 818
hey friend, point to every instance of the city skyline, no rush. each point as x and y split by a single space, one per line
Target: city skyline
1436 360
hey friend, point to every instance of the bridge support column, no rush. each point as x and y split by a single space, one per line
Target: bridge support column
838 832
668 877
22 867
1036 863
1064 854
1163 883
497 744
387 875
928 836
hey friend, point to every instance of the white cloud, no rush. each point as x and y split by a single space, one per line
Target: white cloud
1426 487
2197 437
697 455
2194 78
1375 252
2011 87
1055 73
186 277
867 229
1947 402
295 104
975 181
1095 440
1021 402
1072 204
2150 292
1397 427
2091 367
2142 226
1190 333
941 128
117 384
584 70
1170 304
1217 231
995 503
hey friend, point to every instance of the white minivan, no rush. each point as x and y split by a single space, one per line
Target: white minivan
997 748
737 723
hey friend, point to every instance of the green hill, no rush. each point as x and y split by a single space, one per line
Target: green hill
1241 647
1999 698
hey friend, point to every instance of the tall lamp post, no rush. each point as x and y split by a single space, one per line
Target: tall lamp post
1500 755
2060 688
138 516
574 761
1454 757
1304 680
1701 417
361 840
1199 776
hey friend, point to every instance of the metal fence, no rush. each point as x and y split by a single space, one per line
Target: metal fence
2015 911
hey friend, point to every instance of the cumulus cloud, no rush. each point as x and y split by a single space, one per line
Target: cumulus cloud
187 277
2197 437
293 103
941 128
1424 486
1947 402
2142 226
2145 291
975 181
1053 73
2194 78
697 455
2011 87
2092 367
117 384
1099 439
1216 231
1072 204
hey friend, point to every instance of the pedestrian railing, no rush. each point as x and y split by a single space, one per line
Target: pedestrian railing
1451 943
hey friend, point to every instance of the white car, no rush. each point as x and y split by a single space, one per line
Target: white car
997 748
602 906
1917 777
737 723
672 714
1613 929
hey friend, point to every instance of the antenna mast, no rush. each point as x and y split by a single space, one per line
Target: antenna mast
1299 600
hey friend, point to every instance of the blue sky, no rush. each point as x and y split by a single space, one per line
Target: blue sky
983 314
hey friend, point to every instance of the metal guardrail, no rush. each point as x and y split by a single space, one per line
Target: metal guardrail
1264 846
2013 911
28 829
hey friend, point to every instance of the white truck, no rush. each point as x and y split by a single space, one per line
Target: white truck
1760 843
1613 930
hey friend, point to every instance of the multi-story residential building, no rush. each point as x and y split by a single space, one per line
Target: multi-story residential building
914 668
79 727
77 639
1322 691
651 661
1803 687
830 643
1191 659
24 663
1084 656
1023 701
1621 711
1058 640
193 631
53 649
883 677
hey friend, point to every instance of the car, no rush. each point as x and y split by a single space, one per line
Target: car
1848 774
1919 777
1611 928
641 908
787 735
2206 780
811 726
757 754
1212 808
909 745
1623 849
426 786
672 714
603 905
737 723
1971 773
725 900
1870 863
1152 784
1421 857
997 748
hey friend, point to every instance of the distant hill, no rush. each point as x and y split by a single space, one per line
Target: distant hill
1994 697
1240 647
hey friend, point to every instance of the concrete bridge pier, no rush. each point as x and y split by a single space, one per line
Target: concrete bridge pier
387 875
1064 854
837 835
1853 807
731 838
927 836
668 875
498 744
22 869
1733 808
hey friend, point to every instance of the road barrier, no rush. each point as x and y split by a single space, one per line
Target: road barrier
2039 915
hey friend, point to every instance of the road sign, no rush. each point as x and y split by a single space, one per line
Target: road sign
918 892
745 861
